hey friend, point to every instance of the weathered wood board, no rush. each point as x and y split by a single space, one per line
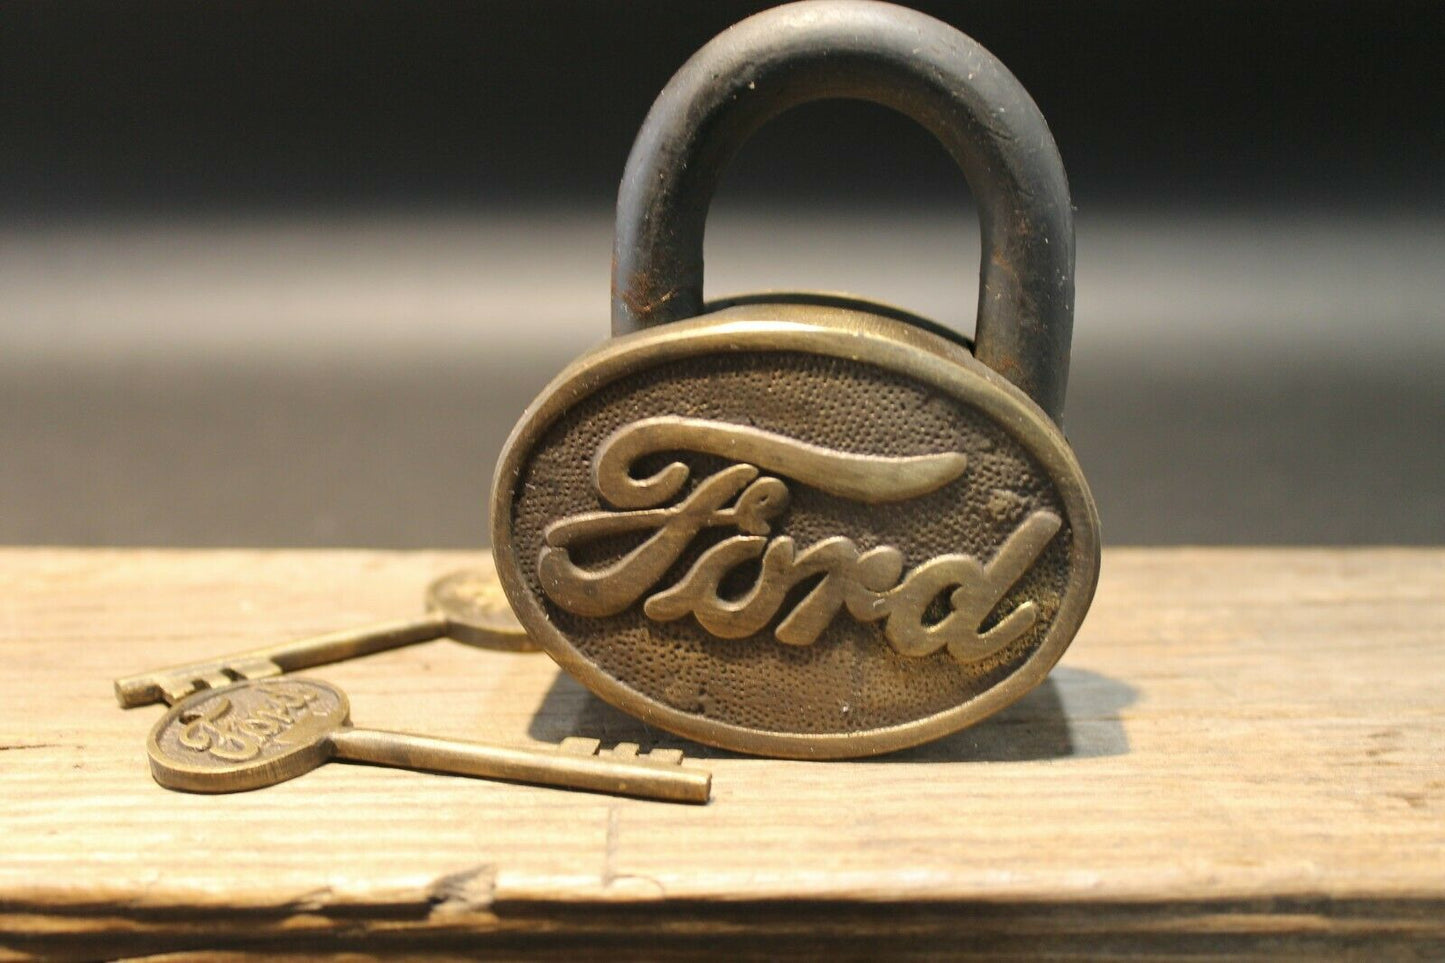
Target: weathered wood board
1244 751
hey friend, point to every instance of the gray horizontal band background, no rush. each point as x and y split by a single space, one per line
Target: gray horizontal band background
1240 376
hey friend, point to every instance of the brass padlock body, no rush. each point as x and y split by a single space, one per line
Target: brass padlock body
806 527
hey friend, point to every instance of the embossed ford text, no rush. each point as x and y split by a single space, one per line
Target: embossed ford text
870 584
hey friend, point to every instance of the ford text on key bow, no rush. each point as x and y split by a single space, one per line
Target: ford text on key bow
870 584
215 727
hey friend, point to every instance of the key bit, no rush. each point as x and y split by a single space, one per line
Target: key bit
257 733
467 605
587 746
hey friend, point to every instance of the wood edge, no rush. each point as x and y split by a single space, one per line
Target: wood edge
1301 922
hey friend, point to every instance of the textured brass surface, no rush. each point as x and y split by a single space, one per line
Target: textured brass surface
467 605
257 733
795 530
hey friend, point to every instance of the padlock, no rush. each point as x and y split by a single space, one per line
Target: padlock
802 525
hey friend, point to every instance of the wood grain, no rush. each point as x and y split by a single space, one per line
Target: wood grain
1242 753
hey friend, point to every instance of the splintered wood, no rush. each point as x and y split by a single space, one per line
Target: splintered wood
1243 751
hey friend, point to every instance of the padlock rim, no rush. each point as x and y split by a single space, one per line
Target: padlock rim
848 334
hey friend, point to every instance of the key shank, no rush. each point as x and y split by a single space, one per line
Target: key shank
171 684
645 780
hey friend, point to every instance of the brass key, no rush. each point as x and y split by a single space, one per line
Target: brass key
258 733
468 606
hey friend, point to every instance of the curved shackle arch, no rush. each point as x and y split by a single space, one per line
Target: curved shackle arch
896 57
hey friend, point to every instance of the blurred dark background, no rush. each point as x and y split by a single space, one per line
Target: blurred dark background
286 273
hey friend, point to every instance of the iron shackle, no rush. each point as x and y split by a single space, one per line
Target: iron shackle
896 57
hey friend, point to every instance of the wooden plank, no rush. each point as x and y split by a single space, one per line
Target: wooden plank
1242 752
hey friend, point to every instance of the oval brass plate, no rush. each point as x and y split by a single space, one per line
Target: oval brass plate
795 530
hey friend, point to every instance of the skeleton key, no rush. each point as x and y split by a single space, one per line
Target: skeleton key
468 606
257 733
